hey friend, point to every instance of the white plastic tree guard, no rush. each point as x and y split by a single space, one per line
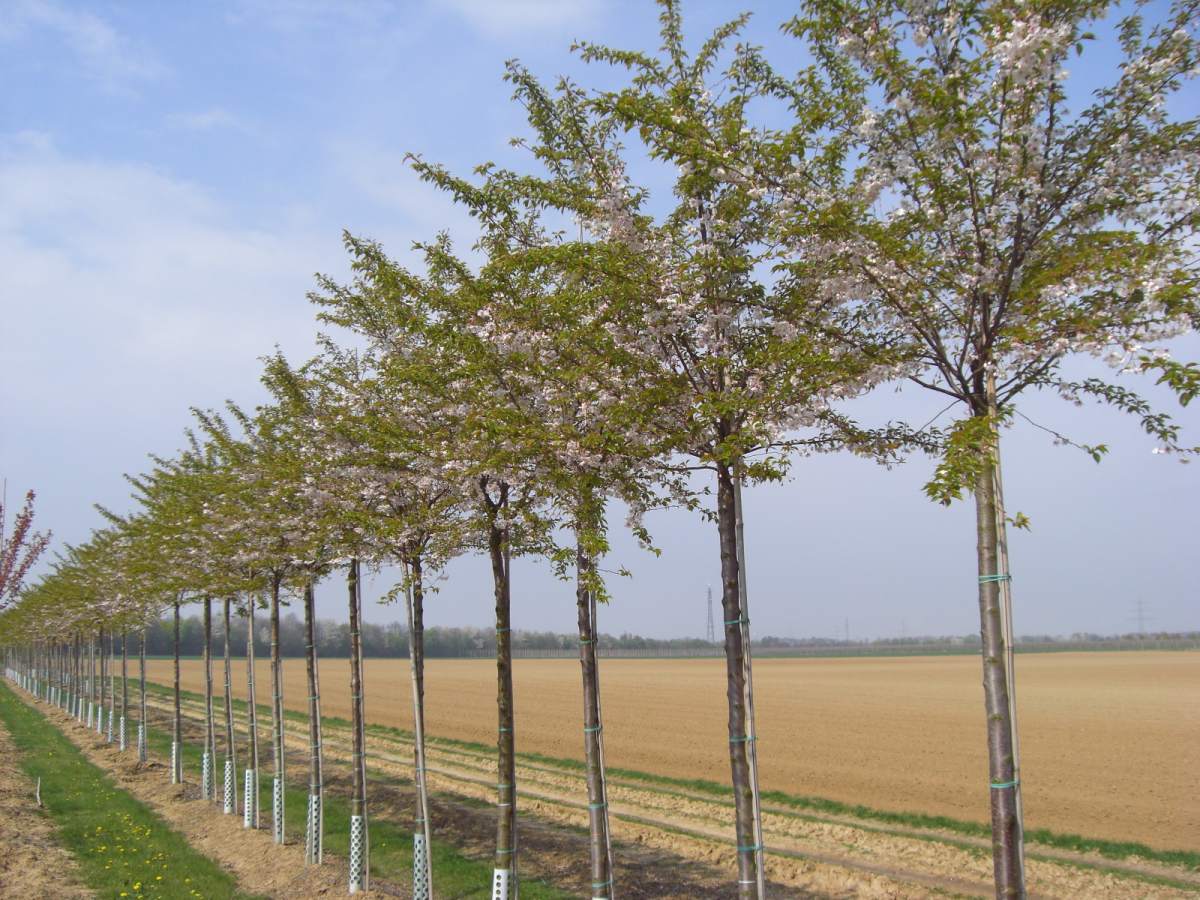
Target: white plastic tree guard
121 742
206 776
358 841
422 877
250 801
500 883
230 788
141 741
314 843
277 810
175 773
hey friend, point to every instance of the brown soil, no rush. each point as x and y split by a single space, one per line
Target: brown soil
1109 740
690 833
33 866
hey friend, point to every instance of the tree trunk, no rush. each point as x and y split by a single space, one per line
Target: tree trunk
230 797
177 722
740 728
359 843
601 841
124 690
313 826
250 801
102 686
422 846
1006 831
143 726
506 822
277 792
210 738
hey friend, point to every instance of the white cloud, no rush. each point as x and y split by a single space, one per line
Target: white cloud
125 288
506 18
103 52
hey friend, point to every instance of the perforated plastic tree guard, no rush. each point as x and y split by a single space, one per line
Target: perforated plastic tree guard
422 887
230 788
250 800
313 849
500 881
358 840
206 782
277 810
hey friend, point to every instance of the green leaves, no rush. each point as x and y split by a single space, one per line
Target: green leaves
968 454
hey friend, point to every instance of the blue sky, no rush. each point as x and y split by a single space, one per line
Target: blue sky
172 175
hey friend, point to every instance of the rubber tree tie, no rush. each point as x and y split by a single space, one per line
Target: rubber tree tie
502 630
985 579
740 740
749 848
586 641
601 884
591 730
504 851
738 622
597 805
502 730
1002 785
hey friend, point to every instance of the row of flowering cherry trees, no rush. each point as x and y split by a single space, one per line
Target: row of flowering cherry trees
926 202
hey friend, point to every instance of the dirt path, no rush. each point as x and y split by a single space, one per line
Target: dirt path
810 854
33 866
259 865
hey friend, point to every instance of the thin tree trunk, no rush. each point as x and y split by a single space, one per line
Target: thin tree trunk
124 690
251 819
143 727
359 841
747 647
1006 832
210 741
422 856
102 686
177 722
277 797
313 829
506 820
230 747
601 841
740 731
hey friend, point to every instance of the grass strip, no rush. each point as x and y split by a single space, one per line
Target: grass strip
455 875
1116 850
124 849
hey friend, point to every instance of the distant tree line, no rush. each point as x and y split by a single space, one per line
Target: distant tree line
390 640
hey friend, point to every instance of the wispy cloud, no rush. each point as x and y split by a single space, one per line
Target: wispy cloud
506 18
128 282
102 52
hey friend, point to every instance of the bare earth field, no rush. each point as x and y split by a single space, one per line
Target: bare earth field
1111 741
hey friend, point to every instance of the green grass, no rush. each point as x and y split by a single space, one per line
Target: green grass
1115 850
455 875
124 849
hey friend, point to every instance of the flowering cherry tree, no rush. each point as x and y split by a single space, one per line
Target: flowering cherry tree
1003 230
19 550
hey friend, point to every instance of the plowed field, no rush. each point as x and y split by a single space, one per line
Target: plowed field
1111 741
